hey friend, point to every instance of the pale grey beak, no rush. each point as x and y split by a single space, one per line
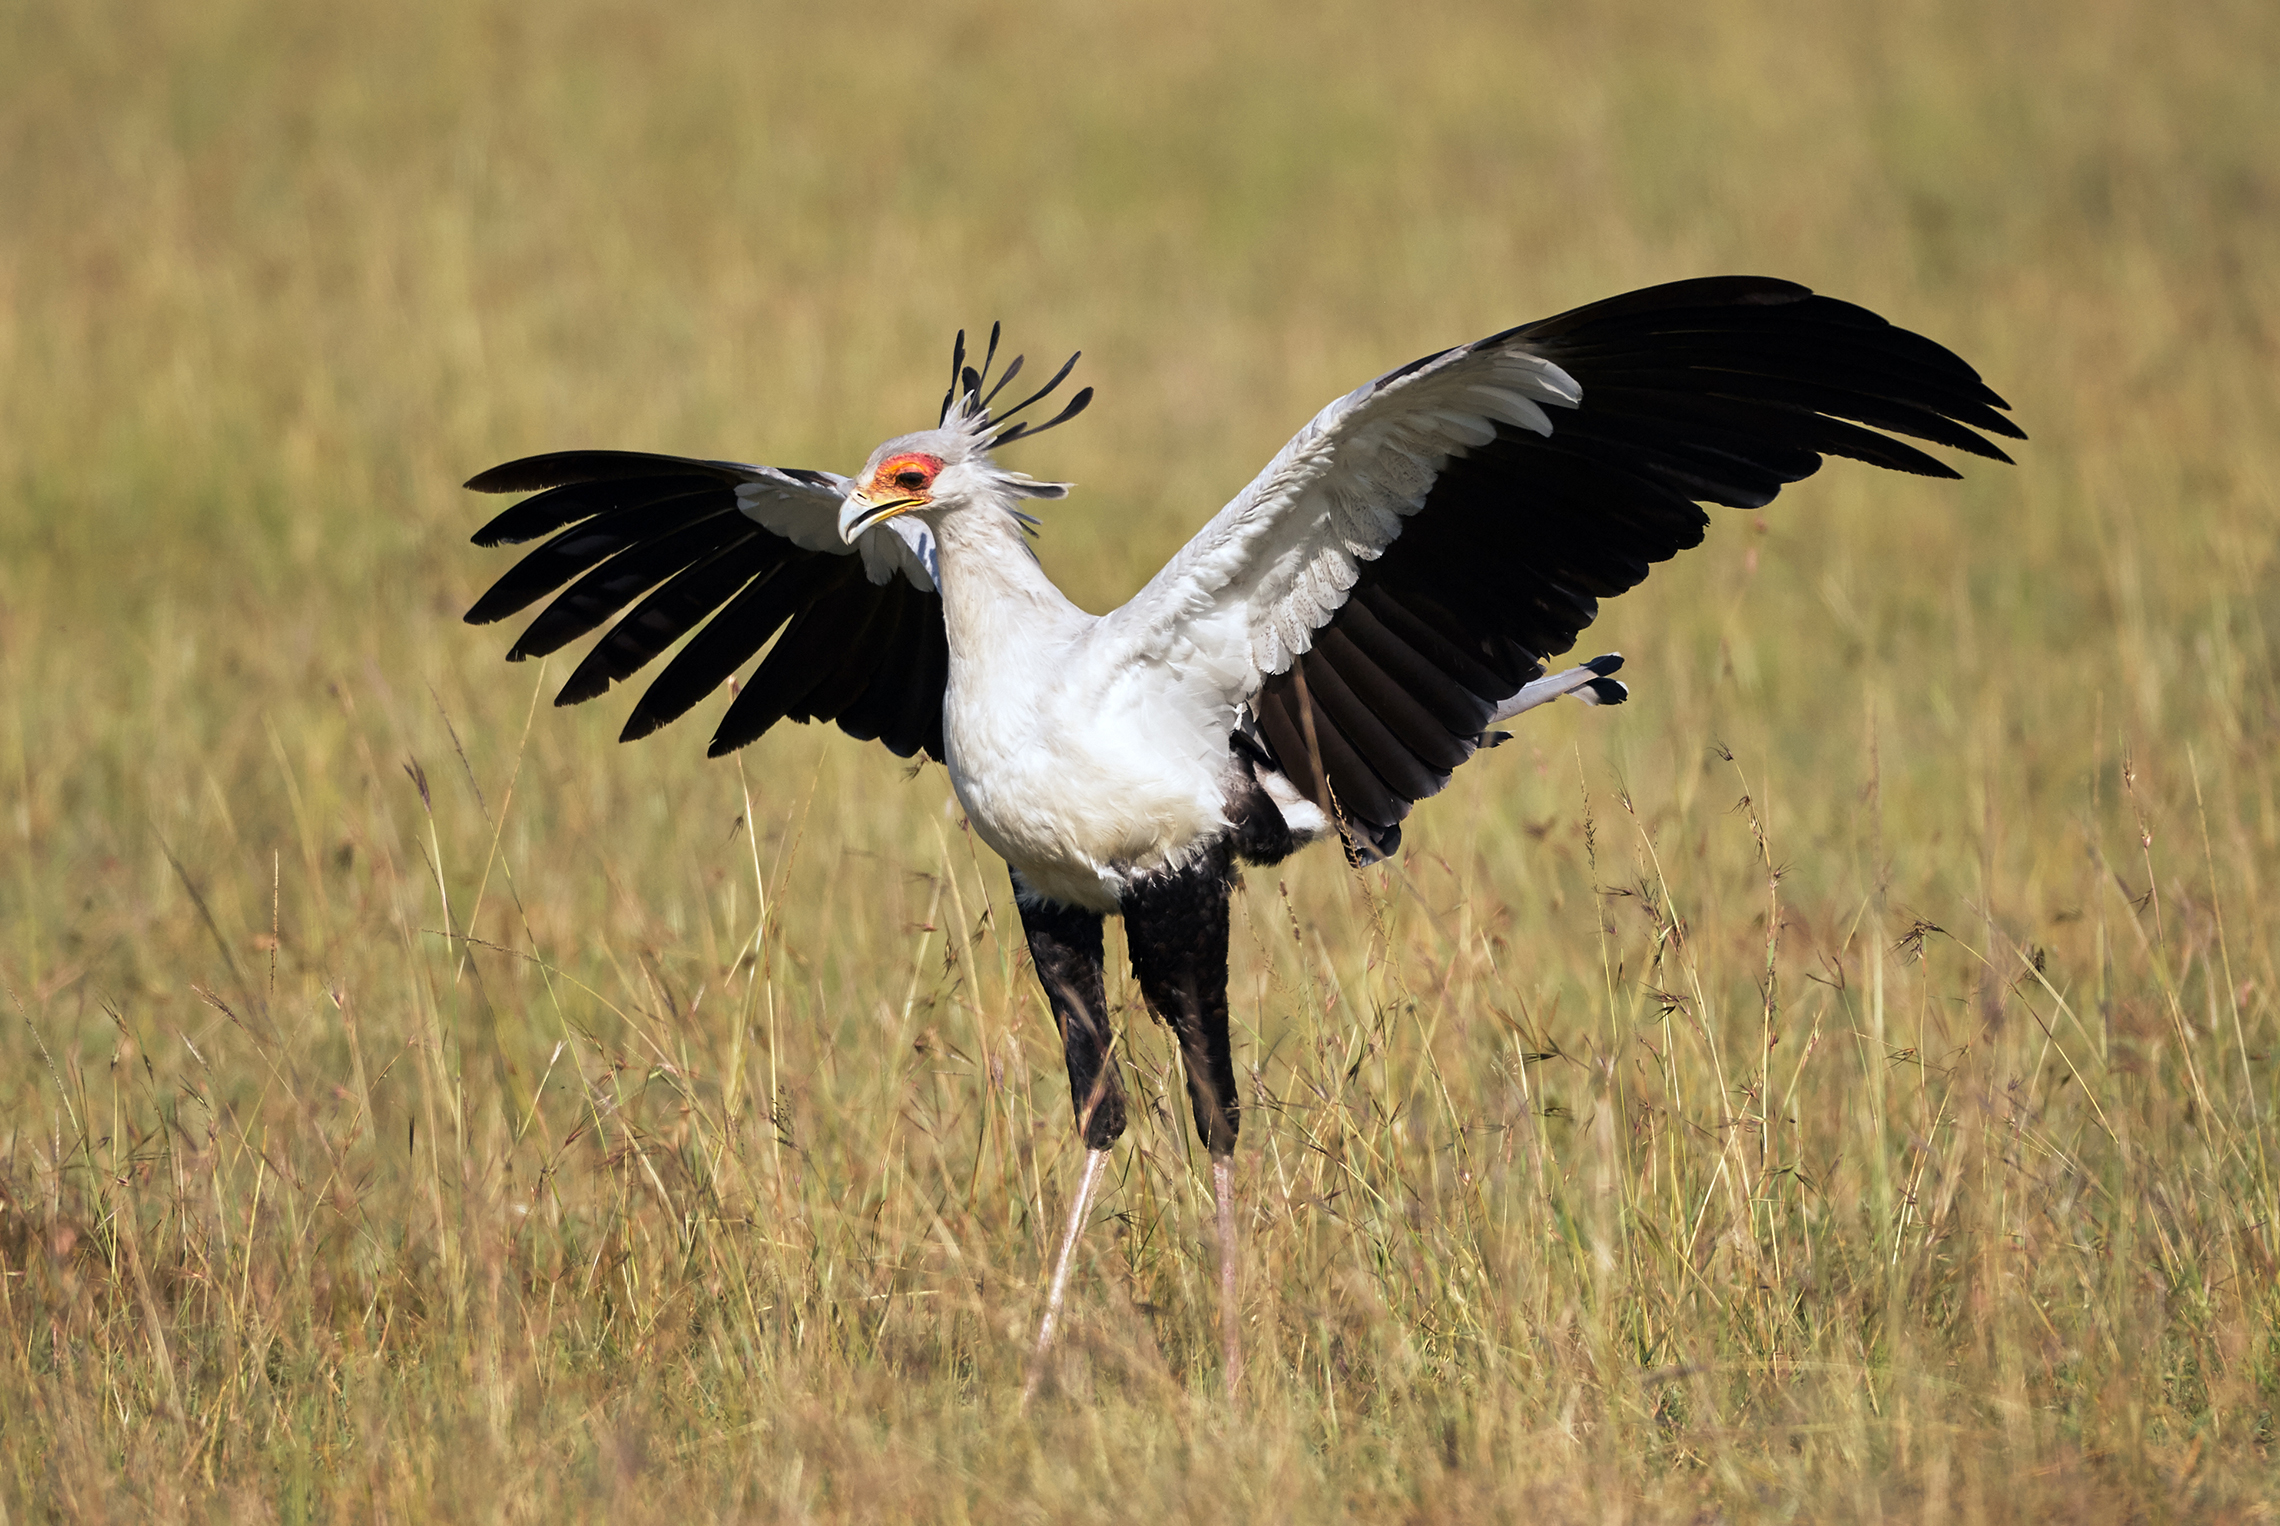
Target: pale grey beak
858 513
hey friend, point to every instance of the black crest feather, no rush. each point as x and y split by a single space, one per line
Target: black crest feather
968 382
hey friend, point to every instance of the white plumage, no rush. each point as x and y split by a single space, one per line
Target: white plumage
1344 633
1089 750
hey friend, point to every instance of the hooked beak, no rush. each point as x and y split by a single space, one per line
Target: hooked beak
858 513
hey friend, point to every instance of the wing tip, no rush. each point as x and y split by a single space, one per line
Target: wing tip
524 475
576 693
561 468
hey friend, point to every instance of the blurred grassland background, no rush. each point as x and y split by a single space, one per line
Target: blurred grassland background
413 1105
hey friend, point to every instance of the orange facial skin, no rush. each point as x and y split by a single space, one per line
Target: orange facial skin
906 475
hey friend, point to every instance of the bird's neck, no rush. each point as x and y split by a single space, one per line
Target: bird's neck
996 599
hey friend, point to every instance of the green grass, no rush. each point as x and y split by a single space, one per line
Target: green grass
1836 1086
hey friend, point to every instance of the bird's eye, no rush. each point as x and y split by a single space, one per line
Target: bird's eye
910 481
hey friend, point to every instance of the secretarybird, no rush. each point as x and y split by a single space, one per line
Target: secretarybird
1351 627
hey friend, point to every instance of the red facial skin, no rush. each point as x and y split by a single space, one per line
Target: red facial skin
905 476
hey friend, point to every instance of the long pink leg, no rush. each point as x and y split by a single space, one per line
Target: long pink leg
1230 1313
1094 1160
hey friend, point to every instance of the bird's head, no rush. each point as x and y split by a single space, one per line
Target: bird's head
949 467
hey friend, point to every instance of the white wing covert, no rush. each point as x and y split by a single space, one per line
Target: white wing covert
1249 591
1389 587
741 551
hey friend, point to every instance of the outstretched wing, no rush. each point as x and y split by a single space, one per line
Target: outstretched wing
1382 593
743 552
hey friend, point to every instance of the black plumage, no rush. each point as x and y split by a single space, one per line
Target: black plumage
671 536
1723 390
1471 546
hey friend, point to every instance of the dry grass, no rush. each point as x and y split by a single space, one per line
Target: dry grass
413 1105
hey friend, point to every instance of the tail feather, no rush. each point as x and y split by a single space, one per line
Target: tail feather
1592 683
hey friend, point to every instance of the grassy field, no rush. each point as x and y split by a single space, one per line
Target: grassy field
1837 1086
